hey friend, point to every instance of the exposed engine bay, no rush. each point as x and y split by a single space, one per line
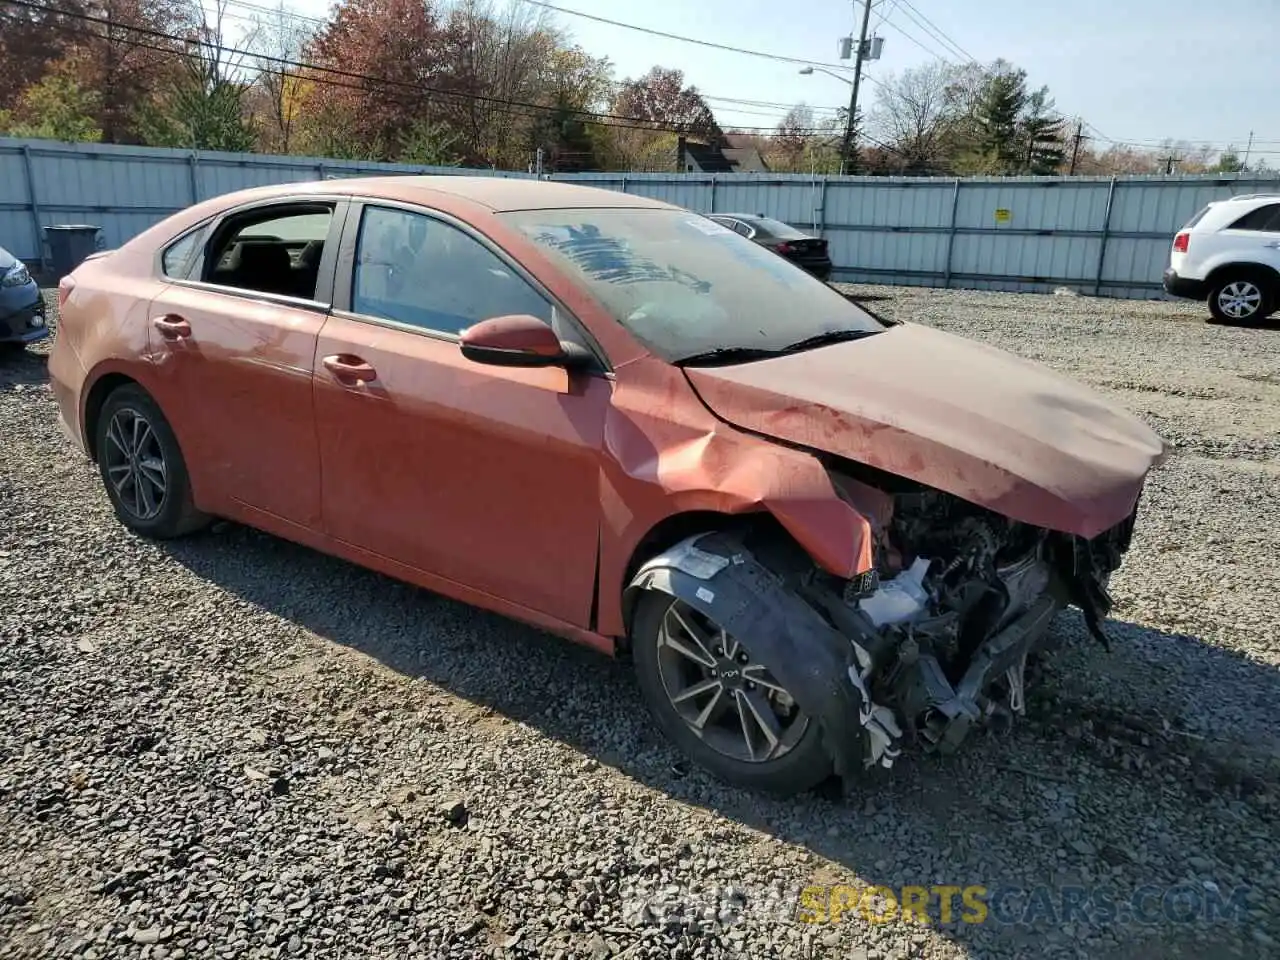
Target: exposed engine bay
960 598
931 644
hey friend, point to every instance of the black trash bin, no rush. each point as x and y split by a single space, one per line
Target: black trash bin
69 244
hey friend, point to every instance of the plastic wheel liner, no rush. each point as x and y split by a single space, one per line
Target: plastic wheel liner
817 664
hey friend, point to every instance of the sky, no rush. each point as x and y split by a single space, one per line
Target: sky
1136 71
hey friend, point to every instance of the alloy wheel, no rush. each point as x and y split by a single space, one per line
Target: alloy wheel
135 464
728 700
1239 299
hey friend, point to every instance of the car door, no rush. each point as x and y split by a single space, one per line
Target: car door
485 476
233 340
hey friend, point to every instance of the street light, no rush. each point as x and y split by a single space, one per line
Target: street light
808 71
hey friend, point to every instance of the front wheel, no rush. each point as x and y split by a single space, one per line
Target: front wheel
720 706
142 466
1241 298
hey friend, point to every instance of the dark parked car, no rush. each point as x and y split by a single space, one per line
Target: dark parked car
21 306
803 249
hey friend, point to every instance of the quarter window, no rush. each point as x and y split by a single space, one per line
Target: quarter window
179 255
1263 218
421 271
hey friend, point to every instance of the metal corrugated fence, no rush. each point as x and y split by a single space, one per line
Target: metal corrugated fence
1094 235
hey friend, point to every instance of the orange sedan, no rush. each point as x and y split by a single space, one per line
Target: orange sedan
822 537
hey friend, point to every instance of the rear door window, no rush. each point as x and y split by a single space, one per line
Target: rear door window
1262 218
271 250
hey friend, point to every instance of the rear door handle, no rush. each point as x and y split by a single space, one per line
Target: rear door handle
1273 244
172 327
350 369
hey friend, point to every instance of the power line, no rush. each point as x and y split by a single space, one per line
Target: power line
1164 144
930 27
694 40
636 123
931 51
293 14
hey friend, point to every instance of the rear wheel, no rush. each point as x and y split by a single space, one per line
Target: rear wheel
719 705
1242 298
142 466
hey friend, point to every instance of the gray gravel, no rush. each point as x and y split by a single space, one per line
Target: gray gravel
230 746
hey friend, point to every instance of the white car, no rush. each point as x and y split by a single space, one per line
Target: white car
1229 254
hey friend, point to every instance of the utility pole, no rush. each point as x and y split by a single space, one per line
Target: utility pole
846 148
1075 147
1244 164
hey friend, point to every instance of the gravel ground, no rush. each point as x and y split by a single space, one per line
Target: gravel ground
230 746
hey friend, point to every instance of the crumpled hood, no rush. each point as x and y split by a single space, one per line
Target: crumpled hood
991 428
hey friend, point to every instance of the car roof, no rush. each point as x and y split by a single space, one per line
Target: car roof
499 194
1265 197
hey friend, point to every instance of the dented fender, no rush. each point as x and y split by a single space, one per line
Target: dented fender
722 580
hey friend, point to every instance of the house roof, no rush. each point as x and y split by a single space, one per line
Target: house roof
709 159
745 159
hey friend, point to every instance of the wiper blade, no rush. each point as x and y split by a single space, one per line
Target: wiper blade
726 355
825 339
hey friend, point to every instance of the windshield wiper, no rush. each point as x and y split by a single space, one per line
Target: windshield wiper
726 355
826 338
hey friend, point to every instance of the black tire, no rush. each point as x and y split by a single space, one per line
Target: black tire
174 512
1249 283
802 767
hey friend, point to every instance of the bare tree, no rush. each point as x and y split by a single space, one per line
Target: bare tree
915 114
792 137
280 37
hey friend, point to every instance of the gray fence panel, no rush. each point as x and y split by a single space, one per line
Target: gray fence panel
1097 235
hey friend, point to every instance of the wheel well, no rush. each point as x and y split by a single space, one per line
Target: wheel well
98 394
670 531
1218 274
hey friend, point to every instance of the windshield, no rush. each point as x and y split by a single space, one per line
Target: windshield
685 285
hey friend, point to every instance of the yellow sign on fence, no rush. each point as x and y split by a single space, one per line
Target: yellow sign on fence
1003 215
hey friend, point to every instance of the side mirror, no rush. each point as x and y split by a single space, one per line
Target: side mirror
518 340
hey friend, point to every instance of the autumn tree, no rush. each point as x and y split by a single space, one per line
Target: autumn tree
496 66
31 40
661 97
129 52
376 60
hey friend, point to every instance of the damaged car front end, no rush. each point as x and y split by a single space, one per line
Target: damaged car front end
917 652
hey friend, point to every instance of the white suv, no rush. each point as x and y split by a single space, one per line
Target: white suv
1229 254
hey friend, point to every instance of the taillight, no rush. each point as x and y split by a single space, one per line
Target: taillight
65 286
1180 242
783 248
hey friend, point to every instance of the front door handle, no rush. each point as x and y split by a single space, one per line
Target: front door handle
350 369
172 327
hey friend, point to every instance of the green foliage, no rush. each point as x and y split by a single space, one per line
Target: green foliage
198 118
56 108
431 144
1229 162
